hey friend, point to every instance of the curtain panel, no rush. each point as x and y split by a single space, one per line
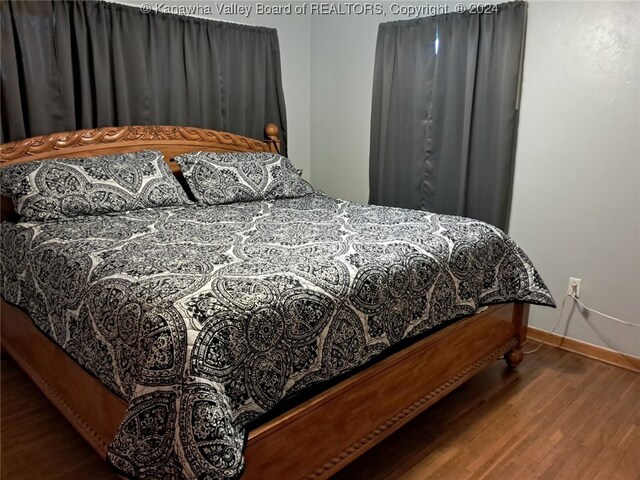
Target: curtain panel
69 65
445 114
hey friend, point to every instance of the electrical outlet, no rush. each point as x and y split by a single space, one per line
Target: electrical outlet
574 286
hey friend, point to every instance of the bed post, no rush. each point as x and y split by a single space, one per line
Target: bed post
520 322
271 134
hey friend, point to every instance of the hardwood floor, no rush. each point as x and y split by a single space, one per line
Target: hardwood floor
37 442
559 416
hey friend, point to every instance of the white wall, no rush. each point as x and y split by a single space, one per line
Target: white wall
342 56
294 34
576 199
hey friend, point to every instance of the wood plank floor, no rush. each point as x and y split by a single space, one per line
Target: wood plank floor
560 416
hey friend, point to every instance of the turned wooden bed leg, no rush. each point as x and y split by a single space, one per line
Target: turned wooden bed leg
515 356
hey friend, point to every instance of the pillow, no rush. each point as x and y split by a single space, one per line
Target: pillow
66 188
217 178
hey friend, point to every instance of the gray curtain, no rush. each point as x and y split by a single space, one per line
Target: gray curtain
443 125
69 65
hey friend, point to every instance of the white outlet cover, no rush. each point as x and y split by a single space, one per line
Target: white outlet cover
578 282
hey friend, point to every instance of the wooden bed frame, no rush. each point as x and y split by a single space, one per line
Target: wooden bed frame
313 440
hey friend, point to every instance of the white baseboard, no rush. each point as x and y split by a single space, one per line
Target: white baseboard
622 360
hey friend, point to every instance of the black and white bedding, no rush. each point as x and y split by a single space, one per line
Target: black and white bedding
206 317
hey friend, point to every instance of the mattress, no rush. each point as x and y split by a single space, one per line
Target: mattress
205 318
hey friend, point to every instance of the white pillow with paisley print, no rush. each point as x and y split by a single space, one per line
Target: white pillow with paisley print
71 187
218 178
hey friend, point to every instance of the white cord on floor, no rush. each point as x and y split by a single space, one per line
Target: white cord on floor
572 295
600 313
564 300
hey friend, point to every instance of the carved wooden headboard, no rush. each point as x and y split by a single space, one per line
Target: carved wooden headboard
171 141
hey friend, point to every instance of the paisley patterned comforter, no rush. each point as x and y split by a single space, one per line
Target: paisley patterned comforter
204 318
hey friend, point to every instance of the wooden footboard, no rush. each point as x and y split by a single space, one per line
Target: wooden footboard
320 436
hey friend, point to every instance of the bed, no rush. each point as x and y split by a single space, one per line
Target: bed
322 423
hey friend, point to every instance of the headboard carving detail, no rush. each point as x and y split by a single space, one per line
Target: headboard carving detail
51 145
